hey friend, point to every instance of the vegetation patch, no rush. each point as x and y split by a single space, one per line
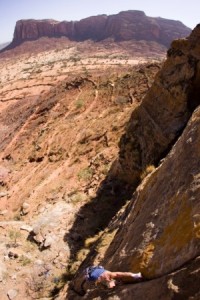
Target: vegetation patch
14 236
85 174
79 103
147 171
24 260
77 198
105 241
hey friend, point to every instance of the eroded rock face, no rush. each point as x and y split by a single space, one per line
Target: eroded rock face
128 25
158 232
162 227
157 123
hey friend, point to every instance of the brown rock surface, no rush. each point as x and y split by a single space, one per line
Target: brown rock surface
62 114
127 25
163 217
157 232
160 119
160 232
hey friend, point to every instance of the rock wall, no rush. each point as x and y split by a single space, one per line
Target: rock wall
161 231
160 119
158 232
124 26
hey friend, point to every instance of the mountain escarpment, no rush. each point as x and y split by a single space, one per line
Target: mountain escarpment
157 232
127 25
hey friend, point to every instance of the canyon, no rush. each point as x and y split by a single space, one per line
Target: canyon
99 151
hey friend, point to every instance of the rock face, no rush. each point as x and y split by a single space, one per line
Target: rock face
128 25
56 151
160 119
164 220
158 232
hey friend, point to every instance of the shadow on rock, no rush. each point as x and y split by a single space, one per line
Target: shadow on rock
95 215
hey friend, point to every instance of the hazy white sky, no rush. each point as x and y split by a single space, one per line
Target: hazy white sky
11 11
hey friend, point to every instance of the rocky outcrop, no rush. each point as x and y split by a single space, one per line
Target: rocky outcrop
56 151
128 25
164 215
157 123
158 232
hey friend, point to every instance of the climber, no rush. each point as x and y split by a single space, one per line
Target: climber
98 274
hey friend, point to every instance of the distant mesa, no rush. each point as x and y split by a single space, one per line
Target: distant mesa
124 26
4 45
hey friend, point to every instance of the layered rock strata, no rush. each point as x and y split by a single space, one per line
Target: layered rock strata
127 25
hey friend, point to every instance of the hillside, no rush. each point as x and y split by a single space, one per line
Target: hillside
62 113
99 148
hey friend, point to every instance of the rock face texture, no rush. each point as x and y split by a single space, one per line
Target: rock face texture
156 123
61 206
127 25
164 219
158 232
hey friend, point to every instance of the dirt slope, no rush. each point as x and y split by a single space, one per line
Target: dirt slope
62 114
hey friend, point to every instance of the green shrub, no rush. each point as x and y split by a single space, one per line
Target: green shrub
85 174
76 198
24 260
79 103
14 235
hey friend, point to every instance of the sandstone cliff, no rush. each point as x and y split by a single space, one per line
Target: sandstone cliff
171 100
128 25
64 204
158 232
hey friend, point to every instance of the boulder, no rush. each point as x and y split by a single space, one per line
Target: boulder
12 294
25 208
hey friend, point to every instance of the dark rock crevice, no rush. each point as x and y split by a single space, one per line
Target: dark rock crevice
159 121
